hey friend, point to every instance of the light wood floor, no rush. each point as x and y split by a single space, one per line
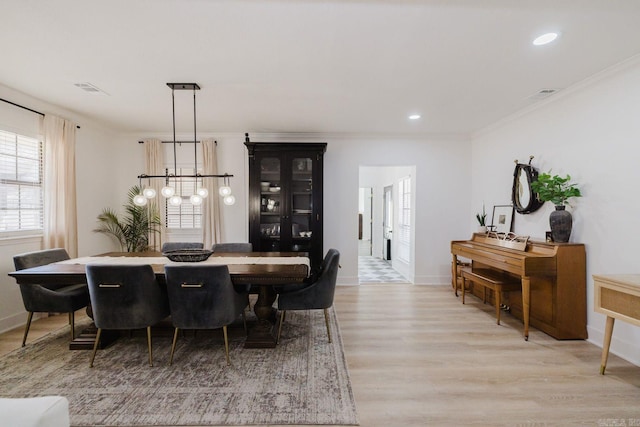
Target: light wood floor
418 357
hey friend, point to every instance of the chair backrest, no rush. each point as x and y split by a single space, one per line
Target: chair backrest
232 247
126 296
38 258
175 246
316 295
202 297
327 279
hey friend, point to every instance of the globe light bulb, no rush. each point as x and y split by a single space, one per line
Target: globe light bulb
229 200
202 192
139 200
175 200
224 191
149 192
167 191
195 199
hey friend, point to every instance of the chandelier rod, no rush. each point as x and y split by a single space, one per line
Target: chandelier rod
171 175
173 108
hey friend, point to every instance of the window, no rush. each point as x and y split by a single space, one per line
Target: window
404 220
21 183
185 216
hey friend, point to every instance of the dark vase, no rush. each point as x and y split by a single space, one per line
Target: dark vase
561 222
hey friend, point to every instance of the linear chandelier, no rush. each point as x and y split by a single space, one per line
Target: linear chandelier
168 191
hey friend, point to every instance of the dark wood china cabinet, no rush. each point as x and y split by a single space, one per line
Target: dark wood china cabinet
285 197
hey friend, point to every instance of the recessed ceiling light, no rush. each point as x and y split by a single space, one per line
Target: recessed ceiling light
414 117
545 38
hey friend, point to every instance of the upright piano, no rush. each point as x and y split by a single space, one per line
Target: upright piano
553 276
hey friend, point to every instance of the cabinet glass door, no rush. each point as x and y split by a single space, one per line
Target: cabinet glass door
270 203
301 203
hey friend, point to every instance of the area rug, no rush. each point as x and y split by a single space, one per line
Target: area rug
304 380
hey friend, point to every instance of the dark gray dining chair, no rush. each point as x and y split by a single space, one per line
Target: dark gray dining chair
176 246
236 247
232 247
312 296
125 297
203 297
50 298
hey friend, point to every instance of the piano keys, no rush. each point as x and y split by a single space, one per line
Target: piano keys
553 276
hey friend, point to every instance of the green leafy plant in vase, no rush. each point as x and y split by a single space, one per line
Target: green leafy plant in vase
557 190
482 221
132 230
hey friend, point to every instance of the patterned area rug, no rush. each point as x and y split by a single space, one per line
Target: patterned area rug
377 270
304 380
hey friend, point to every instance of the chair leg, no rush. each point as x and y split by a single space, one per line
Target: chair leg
173 345
95 347
149 345
26 328
326 321
497 295
226 344
72 323
280 326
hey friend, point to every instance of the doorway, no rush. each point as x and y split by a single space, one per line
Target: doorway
365 221
379 186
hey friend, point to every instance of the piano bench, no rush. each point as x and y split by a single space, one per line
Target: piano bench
493 280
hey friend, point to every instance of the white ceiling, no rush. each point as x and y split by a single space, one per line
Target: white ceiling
341 66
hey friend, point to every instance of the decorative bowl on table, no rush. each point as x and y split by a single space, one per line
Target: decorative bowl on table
188 255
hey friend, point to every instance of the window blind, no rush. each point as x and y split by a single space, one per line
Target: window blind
21 186
185 216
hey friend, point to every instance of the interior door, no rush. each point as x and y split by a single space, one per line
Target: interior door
387 221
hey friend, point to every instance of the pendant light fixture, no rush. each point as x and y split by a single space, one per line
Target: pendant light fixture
168 191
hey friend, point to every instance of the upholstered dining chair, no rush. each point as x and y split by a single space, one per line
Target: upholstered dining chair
236 247
58 298
125 297
232 247
312 296
203 297
175 246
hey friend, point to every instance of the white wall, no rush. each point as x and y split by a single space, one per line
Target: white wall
590 132
442 199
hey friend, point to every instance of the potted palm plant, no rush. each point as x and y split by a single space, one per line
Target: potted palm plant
557 190
131 231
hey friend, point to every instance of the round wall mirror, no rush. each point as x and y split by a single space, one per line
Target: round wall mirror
524 199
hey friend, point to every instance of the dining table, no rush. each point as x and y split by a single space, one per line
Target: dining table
262 270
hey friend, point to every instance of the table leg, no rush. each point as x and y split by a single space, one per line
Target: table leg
263 334
87 337
526 295
608 331
454 275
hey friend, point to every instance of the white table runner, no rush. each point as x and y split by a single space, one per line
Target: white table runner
128 260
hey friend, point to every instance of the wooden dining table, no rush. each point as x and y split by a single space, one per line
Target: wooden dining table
263 270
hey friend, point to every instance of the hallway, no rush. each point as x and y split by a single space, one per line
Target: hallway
377 270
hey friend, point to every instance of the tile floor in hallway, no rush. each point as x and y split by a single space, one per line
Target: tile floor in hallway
376 270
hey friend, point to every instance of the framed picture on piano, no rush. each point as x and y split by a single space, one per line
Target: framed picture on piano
502 219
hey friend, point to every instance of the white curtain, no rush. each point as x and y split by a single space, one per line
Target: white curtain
211 220
60 214
154 165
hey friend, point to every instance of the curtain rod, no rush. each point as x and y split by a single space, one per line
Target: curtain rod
179 142
25 108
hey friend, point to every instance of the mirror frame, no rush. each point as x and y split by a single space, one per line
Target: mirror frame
532 175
